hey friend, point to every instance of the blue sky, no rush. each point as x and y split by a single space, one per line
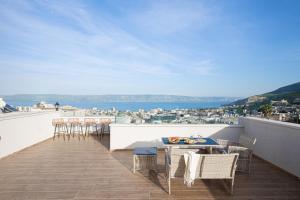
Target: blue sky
196 48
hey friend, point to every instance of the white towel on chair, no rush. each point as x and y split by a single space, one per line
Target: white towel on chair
191 160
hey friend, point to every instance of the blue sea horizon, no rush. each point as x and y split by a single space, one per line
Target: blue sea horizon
132 106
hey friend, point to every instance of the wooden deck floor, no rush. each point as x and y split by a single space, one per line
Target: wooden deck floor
87 170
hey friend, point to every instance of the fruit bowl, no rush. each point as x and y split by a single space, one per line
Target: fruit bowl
173 140
189 141
201 140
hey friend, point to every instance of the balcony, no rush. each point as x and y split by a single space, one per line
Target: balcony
94 169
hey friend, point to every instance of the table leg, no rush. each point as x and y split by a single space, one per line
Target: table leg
210 150
134 163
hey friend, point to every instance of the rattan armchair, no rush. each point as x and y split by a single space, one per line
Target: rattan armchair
210 166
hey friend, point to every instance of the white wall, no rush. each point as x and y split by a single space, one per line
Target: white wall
277 142
21 130
128 136
81 118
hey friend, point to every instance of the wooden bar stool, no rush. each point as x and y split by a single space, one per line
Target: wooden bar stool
61 127
104 127
99 123
75 127
90 126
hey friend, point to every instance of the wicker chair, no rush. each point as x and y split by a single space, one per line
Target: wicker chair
174 160
223 143
210 166
245 150
223 146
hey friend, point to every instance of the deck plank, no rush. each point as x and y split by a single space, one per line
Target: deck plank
87 170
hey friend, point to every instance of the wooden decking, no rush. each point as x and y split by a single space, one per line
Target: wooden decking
87 170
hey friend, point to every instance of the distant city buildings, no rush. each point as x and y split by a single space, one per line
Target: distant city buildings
43 106
282 110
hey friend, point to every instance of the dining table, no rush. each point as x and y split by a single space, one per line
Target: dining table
207 142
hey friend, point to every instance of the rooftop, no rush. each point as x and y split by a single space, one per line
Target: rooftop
86 169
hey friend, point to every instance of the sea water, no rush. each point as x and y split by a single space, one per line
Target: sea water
132 106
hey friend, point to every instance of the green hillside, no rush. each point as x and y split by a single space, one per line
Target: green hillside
293 88
290 93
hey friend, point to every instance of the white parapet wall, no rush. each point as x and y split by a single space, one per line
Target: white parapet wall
128 136
21 130
277 142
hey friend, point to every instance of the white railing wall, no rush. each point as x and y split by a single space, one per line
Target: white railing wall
128 136
277 142
21 130
97 118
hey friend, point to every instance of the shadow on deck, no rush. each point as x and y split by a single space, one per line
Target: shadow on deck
85 169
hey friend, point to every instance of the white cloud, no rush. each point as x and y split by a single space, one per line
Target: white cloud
41 43
204 67
169 17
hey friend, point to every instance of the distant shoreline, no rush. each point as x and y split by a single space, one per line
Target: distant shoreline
132 106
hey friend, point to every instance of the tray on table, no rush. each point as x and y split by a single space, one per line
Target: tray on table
209 141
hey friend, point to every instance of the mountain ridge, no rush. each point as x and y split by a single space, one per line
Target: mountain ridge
289 92
292 88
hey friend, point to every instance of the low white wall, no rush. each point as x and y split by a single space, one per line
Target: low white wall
112 119
128 136
277 142
21 130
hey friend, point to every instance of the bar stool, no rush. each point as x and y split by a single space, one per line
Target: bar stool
61 127
90 125
99 124
106 128
75 127
104 123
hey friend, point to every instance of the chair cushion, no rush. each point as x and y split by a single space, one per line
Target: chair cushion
145 151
